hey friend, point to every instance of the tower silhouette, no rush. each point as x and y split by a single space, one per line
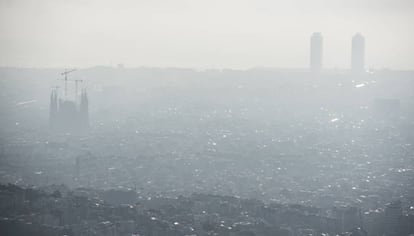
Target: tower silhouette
316 49
53 110
84 110
358 53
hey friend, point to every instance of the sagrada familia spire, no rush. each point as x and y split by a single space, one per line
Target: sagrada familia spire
69 116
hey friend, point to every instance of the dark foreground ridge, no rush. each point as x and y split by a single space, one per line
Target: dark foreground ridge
56 210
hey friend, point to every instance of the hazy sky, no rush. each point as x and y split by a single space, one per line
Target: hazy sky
203 33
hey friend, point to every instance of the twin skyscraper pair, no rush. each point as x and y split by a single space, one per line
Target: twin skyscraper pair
357 53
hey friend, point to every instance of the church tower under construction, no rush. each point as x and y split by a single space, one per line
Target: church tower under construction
69 116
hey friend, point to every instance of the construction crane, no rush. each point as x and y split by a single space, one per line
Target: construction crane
65 73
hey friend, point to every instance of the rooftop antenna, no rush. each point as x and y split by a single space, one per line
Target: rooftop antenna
65 73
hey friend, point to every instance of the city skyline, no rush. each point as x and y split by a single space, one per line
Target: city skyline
202 35
316 51
218 117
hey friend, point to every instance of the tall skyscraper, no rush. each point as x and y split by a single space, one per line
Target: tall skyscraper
316 52
358 53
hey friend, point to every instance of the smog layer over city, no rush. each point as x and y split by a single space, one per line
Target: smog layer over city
196 118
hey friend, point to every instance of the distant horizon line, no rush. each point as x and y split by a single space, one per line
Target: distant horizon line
123 67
